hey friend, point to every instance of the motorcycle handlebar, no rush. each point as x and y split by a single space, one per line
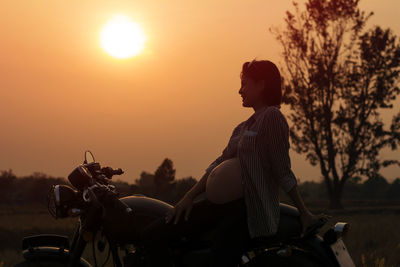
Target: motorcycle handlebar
118 171
109 172
108 196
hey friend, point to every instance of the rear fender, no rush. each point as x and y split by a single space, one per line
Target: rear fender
48 247
320 250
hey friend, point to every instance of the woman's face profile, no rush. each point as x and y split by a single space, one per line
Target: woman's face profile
251 92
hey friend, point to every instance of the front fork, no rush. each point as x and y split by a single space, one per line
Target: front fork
79 243
77 246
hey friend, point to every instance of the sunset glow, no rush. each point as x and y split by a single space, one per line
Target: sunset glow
68 86
122 38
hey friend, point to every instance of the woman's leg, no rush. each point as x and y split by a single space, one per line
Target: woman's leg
232 236
157 236
204 215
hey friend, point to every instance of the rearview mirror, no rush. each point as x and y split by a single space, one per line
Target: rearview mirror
89 158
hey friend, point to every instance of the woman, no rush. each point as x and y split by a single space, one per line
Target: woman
252 166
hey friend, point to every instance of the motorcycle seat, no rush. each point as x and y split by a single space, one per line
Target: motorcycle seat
289 223
289 227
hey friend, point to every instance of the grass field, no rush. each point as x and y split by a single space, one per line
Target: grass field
373 239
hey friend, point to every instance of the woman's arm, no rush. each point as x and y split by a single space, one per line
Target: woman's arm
275 134
198 188
186 203
277 153
294 194
306 217
229 150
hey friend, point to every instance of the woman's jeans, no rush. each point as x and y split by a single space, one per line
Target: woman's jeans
230 239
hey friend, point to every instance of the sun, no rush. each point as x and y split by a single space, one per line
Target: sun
122 38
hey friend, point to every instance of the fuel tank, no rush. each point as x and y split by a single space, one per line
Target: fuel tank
126 228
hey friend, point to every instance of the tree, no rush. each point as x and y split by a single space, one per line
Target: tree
338 78
163 180
165 173
146 179
146 183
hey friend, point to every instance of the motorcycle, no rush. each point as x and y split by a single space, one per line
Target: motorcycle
121 222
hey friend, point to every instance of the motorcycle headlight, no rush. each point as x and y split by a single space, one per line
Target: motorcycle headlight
63 201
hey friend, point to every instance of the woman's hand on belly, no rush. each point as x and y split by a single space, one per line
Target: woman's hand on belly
224 183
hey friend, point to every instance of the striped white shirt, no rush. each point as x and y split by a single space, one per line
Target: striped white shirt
262 145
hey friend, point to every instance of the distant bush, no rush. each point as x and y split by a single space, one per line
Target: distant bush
34 188
26 189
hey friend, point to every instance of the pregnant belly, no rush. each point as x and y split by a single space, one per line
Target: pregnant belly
224 183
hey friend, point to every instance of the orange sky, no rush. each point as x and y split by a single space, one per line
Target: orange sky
61 94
